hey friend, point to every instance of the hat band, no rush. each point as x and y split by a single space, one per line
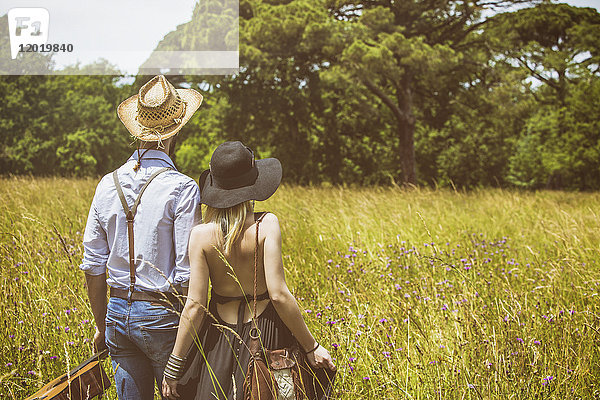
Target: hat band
158 130
234 182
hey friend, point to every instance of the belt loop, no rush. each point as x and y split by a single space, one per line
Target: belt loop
130 294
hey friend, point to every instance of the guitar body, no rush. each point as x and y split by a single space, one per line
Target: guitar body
86 381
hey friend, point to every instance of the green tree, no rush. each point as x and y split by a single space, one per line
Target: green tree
409 53
556 45
345 83
61 125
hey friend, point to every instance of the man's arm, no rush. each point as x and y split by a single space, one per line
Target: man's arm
187 215
95 257
96 289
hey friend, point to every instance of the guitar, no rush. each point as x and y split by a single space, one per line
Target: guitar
85 381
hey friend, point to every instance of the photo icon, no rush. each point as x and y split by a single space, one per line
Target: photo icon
28 27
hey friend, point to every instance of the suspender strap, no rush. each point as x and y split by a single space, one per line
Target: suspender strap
130 215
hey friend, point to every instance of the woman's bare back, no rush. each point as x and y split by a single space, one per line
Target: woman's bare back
240 265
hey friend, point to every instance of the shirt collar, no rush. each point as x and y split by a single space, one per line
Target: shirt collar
152 157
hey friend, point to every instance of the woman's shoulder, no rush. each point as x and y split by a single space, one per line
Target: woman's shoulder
203 233
269 224
204 227
267 218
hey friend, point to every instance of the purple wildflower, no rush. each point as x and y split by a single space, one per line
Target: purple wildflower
547 380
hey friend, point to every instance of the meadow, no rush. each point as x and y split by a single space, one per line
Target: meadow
418 293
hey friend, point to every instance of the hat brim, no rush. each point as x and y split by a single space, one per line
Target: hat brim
267 182
127 112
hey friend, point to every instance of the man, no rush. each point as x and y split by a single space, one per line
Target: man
136 238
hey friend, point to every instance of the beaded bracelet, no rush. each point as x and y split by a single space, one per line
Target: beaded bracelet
310 351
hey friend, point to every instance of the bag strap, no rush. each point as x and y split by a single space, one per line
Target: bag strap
256 263
130 215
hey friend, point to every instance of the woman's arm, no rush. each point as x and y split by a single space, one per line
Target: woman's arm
193 312
284 302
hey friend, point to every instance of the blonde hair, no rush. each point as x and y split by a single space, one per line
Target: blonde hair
230 221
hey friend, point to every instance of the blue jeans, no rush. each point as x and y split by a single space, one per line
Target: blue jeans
140 337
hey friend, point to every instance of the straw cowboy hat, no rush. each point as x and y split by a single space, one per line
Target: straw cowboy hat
159 111
235 176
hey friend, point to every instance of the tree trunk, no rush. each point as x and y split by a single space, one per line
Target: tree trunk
402 111
407 152
407 142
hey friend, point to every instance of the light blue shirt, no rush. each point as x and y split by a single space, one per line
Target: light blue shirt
169 208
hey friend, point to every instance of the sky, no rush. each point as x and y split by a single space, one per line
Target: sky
585 3
122 31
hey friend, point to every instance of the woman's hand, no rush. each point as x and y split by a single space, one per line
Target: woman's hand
320 358
169 388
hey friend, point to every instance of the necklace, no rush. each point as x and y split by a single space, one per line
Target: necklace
139 160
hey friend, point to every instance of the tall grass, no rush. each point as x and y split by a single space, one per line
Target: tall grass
419 294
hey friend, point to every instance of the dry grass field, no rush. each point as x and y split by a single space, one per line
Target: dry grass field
419 294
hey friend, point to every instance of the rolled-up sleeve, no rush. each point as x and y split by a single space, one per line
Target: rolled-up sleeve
95 244
187 215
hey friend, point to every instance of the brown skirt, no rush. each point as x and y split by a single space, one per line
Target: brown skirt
216 366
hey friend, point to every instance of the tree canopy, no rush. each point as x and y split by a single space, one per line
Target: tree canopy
440 92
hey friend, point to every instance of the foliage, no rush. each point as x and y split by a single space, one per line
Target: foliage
557 46
201 136
547 157
370 92
60 125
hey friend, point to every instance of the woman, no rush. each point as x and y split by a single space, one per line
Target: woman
223 250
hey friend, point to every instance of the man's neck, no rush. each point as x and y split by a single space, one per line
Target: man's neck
169 144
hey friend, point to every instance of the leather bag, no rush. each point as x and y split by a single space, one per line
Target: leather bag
282 374
83 382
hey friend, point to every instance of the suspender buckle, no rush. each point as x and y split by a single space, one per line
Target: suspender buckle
130 293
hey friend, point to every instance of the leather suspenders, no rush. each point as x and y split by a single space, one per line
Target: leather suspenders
130 215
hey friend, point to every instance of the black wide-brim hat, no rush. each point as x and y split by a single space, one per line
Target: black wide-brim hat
235 176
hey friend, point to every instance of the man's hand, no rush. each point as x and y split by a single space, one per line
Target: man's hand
99 340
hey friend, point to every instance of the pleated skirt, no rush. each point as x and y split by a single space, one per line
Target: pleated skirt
217 364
